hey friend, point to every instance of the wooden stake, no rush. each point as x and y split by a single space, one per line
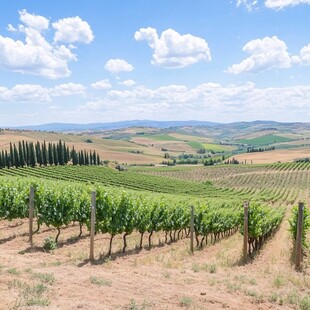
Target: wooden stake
31 212
92 226
245 230
192 230
298 255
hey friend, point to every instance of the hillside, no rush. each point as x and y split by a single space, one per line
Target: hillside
170 141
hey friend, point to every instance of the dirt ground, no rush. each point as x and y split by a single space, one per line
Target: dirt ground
284 155
163 277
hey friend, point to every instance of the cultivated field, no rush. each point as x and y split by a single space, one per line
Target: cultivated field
165 275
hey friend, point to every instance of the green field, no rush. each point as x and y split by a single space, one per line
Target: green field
195 145
162 137
216 147
264 140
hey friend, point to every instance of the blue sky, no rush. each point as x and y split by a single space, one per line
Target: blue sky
102 61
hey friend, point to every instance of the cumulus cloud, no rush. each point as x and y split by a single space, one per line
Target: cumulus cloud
207 100
280 4
116 66
250 5
103 84
36 93
266 53
304 56
73 29
33 21
173 50
11 28
129 83
68 89
36 55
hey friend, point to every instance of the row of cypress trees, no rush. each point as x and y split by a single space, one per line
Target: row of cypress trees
30 154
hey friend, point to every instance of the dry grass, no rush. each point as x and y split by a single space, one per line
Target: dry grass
286 155
164 277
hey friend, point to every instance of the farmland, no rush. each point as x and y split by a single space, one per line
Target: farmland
142 227
268 281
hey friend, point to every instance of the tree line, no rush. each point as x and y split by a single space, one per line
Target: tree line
30 154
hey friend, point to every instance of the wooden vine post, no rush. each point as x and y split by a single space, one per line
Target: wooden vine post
92 226
298 254
245 230
31 212
192 230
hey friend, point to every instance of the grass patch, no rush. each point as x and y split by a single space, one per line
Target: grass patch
216 147
195 145
278 281
186 301
13 271
161 137
304 303
264 140
100 281
45 277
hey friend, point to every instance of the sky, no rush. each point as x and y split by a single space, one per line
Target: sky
78 61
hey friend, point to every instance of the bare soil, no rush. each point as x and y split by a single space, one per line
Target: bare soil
285 155
166 276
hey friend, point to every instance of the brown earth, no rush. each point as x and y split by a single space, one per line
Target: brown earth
286 155
163 277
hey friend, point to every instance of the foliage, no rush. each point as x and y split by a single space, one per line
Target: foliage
293 221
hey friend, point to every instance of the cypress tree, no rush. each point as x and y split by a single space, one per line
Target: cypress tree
60 152
24 152
44 154
86 158
94 158
7 159
38 153
32 154
82 158
28 154
21 155
98 160
55 155
74 156
15 157
11 155
90 158
50 154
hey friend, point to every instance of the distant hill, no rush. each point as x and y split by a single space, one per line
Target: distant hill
113 125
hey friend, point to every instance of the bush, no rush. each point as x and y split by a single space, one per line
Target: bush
49 244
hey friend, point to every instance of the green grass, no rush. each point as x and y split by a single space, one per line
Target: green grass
100 281
216 147
195 145
264 140
162 137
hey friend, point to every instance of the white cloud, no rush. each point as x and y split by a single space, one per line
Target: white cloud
209 101
173 50
28 93
11 28
266 53
73 29
118 65
280 4
250 5
33 21
36 93
304 58
129 83
36 55
103 84
68 89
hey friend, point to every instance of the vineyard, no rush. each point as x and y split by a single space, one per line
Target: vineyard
146 212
